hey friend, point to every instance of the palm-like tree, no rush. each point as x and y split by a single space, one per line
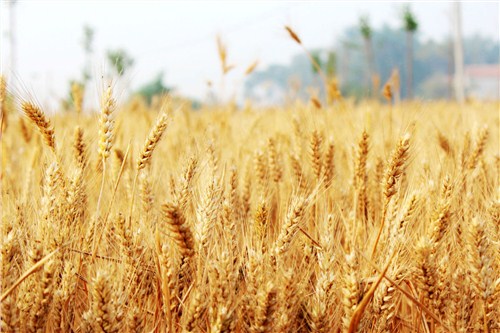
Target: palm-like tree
410 26
366 32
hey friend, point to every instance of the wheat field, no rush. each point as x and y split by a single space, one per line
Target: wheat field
350 217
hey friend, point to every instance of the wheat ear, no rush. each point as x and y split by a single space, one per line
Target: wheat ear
152 141
393 173
35 114
106 125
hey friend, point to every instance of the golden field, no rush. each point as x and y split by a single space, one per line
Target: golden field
364 217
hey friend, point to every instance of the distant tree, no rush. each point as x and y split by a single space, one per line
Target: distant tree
316 56
154 88
316 66
88 47
120 61
366 32
431 64
346 47
410 25
331 64
481 50
324 61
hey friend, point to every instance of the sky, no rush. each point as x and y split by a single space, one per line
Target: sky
178 38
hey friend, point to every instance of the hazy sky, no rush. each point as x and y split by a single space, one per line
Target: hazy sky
178 38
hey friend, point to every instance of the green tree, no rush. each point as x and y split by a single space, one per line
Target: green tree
317 59
410 25
120 61
366 31
154 88
331 63
431 64
88 47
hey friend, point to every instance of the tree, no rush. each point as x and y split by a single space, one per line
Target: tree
366 32
347 47
431 64
154 88
331 64
317 61
410 25
120 61
79 85
87 42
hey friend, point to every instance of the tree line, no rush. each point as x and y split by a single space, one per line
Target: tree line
365 56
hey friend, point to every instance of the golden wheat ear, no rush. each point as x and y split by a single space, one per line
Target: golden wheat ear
152 141
77 93
36 115
79 148
106 124
293 35
393 172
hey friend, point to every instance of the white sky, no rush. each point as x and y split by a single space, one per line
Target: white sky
179 37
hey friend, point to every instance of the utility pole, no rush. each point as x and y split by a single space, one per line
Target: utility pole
458 53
